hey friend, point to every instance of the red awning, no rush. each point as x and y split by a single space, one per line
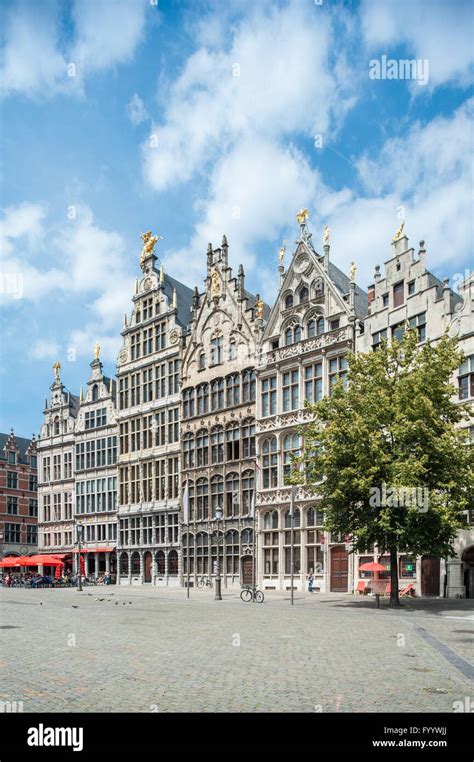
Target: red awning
94 550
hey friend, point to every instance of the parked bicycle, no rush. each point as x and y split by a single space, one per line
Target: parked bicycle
251 593
204 582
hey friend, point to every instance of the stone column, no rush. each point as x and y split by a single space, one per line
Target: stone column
107 563
142 563
97 564
129 553
86 563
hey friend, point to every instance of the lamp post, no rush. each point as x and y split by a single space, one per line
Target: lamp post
80 531
218 596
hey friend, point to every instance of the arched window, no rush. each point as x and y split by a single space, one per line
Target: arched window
232 495
173 563
233 390
202 447
202 553
135 564
320 326
188 403
310 517
274 519
288 301
288 337
124 564
304 293
95 393
232 552
217 394
217 445
160 563
217 493
266 520
291 444
202 360
270 463
296 518
202 399
202 499
247 536
297 334
311 328
190 498
188 451
248 482
233 442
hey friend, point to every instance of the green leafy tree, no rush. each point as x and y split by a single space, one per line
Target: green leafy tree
387 455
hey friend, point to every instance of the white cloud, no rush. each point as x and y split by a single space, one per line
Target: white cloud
273 80
136 110
31 61
36 62
18 221
107 32
436 30
45 349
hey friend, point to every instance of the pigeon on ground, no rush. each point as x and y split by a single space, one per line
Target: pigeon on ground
75 607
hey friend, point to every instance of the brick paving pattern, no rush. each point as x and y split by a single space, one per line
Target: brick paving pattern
142 650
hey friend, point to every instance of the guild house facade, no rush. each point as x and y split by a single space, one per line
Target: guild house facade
218 392
408 294
56 470
148 373
18 496
95 471
316 319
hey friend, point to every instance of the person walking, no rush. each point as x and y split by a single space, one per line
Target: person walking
310 581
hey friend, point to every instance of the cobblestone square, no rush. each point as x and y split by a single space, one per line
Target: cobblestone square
152 650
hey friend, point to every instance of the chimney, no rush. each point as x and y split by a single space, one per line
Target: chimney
377 275
370 295
422 253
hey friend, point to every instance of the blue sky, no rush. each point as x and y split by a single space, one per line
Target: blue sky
196 119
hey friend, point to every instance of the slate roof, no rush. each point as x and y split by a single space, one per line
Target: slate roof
183 294
342 281
22 445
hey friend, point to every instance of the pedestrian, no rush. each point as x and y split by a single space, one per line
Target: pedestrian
310 581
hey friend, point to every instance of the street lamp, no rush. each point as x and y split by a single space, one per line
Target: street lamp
80 534
218 596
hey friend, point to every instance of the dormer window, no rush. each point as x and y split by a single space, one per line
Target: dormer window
56 430
95 393
12 457
288 301
304 295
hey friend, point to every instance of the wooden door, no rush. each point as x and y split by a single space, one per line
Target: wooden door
148 567
247 570
339 569
429 575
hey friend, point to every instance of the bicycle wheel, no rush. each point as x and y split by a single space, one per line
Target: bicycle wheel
259 596
200 582
246 595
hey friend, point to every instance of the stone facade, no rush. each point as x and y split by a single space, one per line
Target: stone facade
314 322
218 423
18 496
148 418
409 293
95 466
56 471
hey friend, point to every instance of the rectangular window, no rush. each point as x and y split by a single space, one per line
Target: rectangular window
32 483
46 469
217 350
419 322
378 337
13 533
135 346
173 425
290 389
173 377
12 479
411 287
399 294
31 534
147 385
172 478
160 336
269 396
314 382
160 381
466 378
337 370
32 507
398 331
12 505
123 393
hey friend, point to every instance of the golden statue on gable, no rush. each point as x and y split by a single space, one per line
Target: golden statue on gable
326 232
302 216
259 305
215 283
56 368
399 233
149 242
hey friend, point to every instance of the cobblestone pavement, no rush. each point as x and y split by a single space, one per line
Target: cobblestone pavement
140 649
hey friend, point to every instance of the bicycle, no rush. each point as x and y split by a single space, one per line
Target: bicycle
204 582
251 593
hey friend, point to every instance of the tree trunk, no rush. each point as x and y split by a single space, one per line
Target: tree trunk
394 600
